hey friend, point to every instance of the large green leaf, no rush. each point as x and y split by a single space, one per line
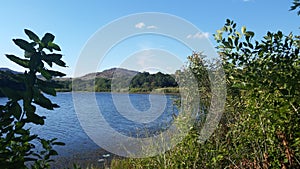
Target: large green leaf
24 45
60 63
47 90
41 100
19 61
32 35
56 58
36 119
47 39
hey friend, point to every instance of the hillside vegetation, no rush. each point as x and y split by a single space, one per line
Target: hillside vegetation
120 80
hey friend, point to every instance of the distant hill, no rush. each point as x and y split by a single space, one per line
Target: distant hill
9 70
120 78
110 73
6 81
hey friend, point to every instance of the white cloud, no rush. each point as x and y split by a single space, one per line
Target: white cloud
140 25
198 35
151 27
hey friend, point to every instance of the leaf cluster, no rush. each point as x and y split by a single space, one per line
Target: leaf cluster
24 93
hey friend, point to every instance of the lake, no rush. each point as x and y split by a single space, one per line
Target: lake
63 123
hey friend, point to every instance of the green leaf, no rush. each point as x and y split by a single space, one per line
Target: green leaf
21 131
41 100
47 38
30 159
52 57
243 30
24 45
36 119
29 108
45 73
20 124
19 61
53 152
47 90
32 35
53 46
59 143
16 110
60 63
56 73
45 144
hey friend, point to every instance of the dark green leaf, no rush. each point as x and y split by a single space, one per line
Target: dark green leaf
52 57
30 159
60 63
21 131
36 119
29 108
53 152
41 100
16 110
32 35
47 38
24 45
59 143
56 73
19 61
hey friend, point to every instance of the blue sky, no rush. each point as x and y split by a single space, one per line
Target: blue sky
74 22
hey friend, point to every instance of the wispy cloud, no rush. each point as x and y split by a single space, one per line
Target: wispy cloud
142 25
151 27
198 35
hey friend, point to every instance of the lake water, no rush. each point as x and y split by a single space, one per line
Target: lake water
63 123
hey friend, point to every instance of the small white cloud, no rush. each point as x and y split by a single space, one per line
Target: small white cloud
151 27
198 35
140 25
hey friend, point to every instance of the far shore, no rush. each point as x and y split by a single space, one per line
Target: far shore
160 91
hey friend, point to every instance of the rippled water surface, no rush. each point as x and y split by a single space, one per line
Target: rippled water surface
62 123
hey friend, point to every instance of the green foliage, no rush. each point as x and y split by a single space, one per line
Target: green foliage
16 141
263 82
296 4
260 126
